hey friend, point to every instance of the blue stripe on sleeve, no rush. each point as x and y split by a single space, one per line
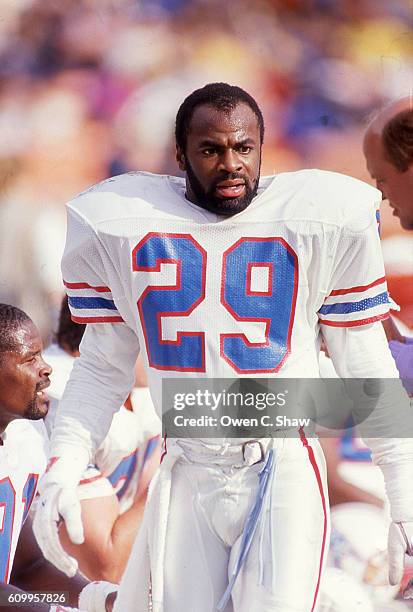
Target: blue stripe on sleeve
346 307
91 302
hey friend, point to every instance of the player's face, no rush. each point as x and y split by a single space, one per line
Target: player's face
222 158
395 186
24 376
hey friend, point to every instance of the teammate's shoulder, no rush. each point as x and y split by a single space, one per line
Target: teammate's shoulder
333 197
29 435
120 195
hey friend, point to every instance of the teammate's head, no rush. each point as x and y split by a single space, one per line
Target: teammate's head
388 148
69 334
23 373
219 133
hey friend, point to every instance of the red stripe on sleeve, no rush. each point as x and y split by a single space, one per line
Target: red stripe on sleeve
379 281
97 319
354 323
100 289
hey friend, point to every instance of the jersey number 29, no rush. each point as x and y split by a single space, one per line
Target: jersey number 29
273 306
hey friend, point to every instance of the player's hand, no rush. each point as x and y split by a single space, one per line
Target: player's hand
57 503
400 543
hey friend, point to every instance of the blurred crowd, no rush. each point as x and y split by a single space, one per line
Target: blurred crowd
90 88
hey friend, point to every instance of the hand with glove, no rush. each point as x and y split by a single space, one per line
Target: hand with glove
59 501
400 542
95 596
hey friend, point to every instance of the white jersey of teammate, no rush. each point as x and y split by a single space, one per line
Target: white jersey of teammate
23 458
119 461
209 296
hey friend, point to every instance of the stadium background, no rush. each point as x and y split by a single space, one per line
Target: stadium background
90 88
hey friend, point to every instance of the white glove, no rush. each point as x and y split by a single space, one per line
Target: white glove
59 500
400 542
58 503
93 596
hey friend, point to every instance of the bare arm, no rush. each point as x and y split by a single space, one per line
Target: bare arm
31 571
340 491
108 537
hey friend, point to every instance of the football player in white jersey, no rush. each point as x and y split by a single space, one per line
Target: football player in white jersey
223 275
24 377
112 490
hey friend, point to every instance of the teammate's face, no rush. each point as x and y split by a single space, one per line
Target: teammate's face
23 377
395 186
222 158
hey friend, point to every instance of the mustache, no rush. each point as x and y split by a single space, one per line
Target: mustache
43 385
230 176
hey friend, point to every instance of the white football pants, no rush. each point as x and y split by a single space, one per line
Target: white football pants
209 504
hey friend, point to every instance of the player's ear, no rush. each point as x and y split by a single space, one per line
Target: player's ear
180 158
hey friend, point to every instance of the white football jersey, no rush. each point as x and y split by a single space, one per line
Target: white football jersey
131 440
213 296
23 458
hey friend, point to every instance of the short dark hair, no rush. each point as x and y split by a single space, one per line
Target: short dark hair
397 138
11 319
69 334
219 95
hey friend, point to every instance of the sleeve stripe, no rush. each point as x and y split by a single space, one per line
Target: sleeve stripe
355 323
347 307
97 319
91 303
100 289
92 479
92 308
358 289
151 445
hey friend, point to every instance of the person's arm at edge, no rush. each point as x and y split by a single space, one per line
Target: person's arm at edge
108 537
99 383
31 571
362 353
339 490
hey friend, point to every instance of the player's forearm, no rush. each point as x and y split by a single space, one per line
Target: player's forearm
121 540
341 492
108 537
109 560
386 417
101 380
